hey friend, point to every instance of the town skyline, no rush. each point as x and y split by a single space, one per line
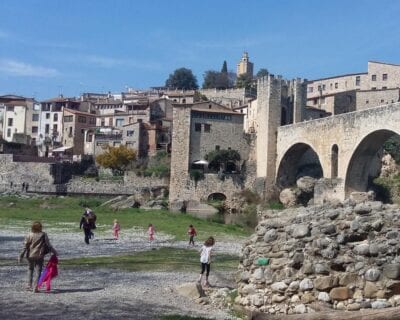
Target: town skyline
55 47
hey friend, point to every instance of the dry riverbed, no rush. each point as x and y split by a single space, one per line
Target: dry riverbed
105 293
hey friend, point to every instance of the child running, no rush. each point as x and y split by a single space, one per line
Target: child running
151 232
192 233
205 259
116 227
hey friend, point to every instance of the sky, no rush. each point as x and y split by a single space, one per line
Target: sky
48 47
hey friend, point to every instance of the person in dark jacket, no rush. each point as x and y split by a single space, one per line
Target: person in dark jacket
36 246
86 225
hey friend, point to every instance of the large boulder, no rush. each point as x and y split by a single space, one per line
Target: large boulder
190 290
289 197
306 184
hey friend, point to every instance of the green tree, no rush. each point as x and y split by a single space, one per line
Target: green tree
182 79
262 73
217 158
244 81
116 158
224 67
215 79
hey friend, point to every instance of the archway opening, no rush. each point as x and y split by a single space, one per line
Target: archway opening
217 196
334 161
299 161
369 168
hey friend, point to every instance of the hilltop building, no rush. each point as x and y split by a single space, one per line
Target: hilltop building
245 66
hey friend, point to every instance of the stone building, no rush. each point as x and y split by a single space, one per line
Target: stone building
245 66
340 94
19 119
231 98
198 129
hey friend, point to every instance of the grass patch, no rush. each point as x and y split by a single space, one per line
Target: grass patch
163 259
56 211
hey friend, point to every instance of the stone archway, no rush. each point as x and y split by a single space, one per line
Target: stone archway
299 160
365 162
216 196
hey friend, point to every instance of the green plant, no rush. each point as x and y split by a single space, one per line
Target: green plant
250 197
216 158
196 175
248 217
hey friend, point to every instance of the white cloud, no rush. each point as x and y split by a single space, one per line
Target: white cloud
16 68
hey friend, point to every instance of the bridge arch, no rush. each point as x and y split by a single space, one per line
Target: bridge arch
216 196
299 160
365 162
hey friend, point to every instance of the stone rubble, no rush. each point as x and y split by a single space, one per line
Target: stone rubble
344 255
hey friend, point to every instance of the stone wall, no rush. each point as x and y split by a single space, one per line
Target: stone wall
342 257
371 98
230 97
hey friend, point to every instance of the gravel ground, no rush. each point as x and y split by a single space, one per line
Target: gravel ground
102 293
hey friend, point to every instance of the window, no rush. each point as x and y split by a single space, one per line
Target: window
207 127
366 101
323 87
130 144
384 77
35 117
117 143
119 122
55 128
92 120
315 101
310 89
384 88
35 130
197 127
217 148
68 118
90 138
10 122
110 121
358 81
81 119
47 129
373 77
373 88
319 88
55 117
103 122
336 85
331 86
70 131
382 101
8 132
129 133
47 115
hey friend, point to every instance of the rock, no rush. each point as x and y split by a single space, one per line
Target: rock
301 231
295 298
325 283
362 208
257 300
392 235
306 284
370 290
392 271
329 229
308 268
324 296
359 197
380 304
306 184
276 298
279 287
340 306
372 275
395 300
340 293
348 279
333 214
258 274
300 308
190 290
353 307
320 268
307 297
362 249
270 235
245 276
297 260
288 197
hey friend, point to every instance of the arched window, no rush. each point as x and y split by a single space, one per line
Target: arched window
334 161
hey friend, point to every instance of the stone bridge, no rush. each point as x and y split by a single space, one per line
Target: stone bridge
346 147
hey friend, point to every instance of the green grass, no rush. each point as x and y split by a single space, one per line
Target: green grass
177 317
163 259
70 209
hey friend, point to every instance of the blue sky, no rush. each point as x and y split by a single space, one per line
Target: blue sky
74 46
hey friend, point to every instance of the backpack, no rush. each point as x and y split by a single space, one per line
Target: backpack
92 220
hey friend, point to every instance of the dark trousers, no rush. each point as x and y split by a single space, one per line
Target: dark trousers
204 267
37 266
87 235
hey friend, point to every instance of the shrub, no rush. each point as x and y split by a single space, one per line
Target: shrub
196 175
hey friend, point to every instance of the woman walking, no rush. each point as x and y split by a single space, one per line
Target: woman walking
36 246
205 259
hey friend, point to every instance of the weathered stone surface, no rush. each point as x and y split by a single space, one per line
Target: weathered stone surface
362 208
362 249
372 275
190 290
348 279
276 298
270 235
306 284
301 231
380 304
300 308
288 197
370 290
325 283
279 287
306 184
353 307
340 293
324 296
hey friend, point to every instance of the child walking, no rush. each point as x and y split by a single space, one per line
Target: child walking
205 259
192 233
151 232
49 273
116 227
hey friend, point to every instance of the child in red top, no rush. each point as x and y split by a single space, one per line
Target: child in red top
192 233
151 232
116 227
50 272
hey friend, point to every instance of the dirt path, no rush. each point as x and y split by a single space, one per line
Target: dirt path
101 293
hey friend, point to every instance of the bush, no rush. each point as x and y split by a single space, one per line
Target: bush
250 197
196 175
248 218
90 202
